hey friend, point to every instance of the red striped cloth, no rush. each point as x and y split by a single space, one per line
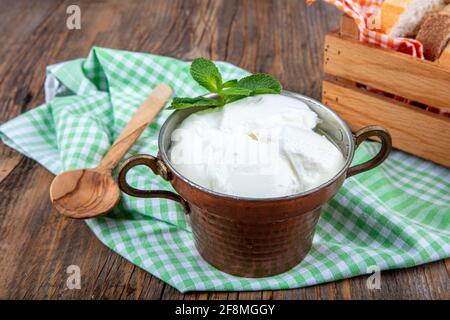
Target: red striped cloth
365 13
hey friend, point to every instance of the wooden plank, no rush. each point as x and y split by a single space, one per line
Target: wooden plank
387 70
349 28
444 59
9 160
38 244
413 130
250 295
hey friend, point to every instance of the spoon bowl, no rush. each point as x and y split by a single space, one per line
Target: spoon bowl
84 193
87 193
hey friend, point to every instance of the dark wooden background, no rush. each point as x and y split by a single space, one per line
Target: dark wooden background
281 37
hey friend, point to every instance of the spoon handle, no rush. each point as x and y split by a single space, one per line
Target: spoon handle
141 119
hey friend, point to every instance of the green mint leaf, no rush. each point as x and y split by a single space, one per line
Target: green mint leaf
260 83
230 83
236 91
185 103
265 91
231 99
206 74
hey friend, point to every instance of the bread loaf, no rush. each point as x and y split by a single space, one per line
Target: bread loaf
402 18
434 33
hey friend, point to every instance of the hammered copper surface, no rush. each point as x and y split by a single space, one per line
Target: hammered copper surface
252 249
255 237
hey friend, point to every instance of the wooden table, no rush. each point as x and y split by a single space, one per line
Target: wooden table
282 37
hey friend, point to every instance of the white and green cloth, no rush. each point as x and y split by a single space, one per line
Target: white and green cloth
394 216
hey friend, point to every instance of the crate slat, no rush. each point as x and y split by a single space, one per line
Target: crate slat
413 130
444 60
348 28
387 70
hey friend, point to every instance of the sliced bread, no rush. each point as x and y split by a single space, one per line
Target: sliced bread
402 18
434 34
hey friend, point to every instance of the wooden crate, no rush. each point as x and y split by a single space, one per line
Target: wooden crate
348 64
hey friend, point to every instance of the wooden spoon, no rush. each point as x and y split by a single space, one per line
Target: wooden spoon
87 193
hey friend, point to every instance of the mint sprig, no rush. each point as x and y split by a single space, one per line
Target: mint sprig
260 83
184 103
206 73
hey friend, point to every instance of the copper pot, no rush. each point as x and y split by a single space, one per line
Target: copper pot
247 236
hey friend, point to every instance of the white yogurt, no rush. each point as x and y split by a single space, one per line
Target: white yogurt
257 147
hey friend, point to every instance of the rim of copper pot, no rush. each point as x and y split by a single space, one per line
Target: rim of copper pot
307 100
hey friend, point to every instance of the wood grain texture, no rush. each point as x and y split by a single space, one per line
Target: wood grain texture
348 28
444 59
282 37
88 193
140 120
387 70
84 193
360 107
413 130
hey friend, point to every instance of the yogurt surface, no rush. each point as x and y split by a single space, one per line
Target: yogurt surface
259 147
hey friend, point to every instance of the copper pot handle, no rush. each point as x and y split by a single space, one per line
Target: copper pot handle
158 167
386 147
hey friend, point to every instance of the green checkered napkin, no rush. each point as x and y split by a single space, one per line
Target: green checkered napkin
394 216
